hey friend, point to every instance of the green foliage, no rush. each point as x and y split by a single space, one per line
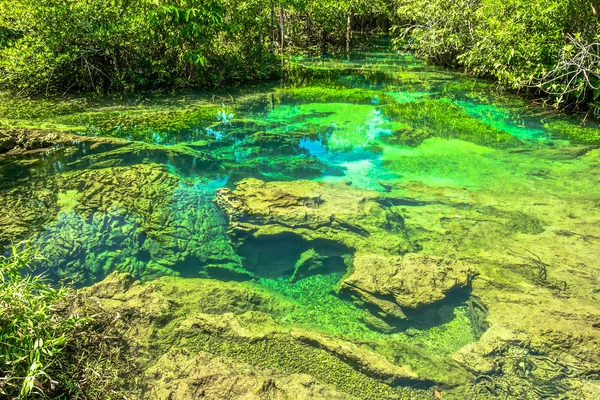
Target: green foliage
64 44
99 46
46 351
439 29
537 45
61 45
31 334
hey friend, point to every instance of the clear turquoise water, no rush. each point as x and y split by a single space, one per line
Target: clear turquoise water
137 193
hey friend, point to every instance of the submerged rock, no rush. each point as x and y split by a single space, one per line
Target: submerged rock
140 219
18 141
315 210
412 281
223 339
179 375
380 276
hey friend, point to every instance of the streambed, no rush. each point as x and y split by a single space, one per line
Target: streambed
366 228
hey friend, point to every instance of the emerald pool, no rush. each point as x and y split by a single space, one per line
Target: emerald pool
370 228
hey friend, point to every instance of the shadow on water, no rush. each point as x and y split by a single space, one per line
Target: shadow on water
430 316
288 255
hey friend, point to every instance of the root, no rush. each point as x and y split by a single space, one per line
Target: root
541 277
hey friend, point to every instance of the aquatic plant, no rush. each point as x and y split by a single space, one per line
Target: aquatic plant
438 118
577 134
333 94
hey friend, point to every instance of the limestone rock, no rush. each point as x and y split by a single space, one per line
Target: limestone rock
315 210
181 375
201 338
412 281
360 357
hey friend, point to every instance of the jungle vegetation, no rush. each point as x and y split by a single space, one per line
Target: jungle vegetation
539 46
52 344
56 46
102 46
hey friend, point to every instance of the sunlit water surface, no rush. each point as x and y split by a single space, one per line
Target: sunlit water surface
450 154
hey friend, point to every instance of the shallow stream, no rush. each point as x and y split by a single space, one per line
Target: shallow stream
310 190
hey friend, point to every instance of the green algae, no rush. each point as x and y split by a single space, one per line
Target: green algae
39 108
346 125
336 94
500 119
149 126
586 135
321 307
434 118
290 357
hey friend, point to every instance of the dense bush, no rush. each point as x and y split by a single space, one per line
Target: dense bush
59 45
540 45
46 350
98 45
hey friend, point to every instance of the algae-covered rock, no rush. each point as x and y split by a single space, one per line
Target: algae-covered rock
170 298
386 308
309 261
181 375
193 336
536 279
314 210
413 280
305 214
361 357
20 141
354 218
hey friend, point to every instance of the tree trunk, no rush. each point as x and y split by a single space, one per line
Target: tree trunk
272 28
282 26
349 33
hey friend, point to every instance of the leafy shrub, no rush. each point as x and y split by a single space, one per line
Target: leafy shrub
537 45
46 350
440 30
62 45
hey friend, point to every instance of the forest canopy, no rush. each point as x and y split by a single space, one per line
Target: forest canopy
57 46
95 45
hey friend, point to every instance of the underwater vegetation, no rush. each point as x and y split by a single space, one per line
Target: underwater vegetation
435 118
585 135
378 230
